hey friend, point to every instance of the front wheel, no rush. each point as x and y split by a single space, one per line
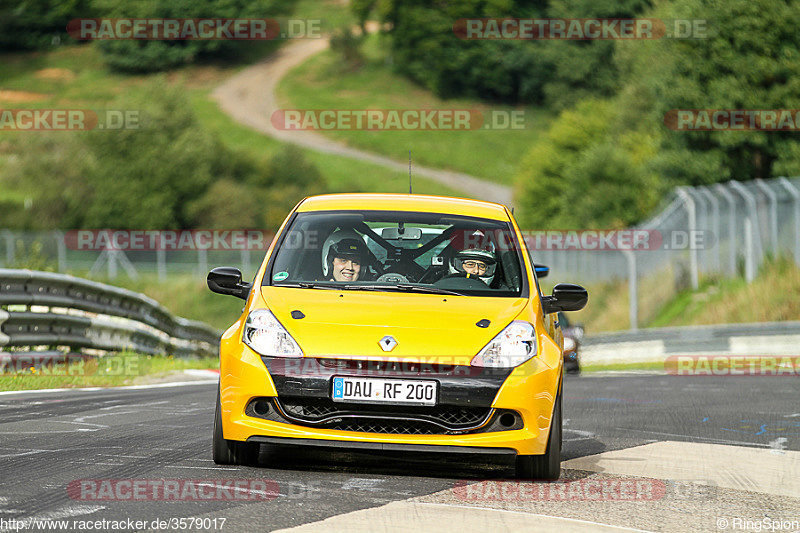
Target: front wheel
547 466
231 452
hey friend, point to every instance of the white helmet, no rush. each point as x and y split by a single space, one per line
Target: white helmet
484 255
335 238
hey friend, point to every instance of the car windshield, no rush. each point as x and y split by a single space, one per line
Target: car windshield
399 251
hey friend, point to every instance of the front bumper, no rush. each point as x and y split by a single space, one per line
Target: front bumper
528 390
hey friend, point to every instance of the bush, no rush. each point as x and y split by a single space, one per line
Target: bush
584 173
169 173
227 205
746 62
558 73
149 56
347 44
35 24
291 177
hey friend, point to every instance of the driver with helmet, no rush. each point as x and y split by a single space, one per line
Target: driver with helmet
476 261
344 254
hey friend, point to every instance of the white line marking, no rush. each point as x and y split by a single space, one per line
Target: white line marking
694 437
199 467
80 420
238 489
582 435
778 445
128 387
361 483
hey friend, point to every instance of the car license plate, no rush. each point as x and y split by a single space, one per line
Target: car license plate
381 390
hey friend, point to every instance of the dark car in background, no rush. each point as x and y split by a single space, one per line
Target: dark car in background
573 336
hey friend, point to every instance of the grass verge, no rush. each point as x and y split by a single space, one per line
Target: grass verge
113 370
773 296
653 366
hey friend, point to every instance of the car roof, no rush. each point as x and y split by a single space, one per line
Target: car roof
404 202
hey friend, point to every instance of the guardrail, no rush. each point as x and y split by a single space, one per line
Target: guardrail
657 344
113 318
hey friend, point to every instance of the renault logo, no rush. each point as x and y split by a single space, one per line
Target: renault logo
387 343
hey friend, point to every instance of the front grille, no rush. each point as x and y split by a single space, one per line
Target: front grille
398 367
316 410
387 419
310 411
395 427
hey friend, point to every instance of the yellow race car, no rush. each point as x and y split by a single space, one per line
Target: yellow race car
395 322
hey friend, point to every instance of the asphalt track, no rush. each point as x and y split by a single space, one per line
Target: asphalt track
720 448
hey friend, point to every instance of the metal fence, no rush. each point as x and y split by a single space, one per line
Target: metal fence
723 230
50 250
44 311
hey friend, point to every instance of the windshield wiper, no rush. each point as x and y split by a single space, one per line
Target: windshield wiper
306 285
403 287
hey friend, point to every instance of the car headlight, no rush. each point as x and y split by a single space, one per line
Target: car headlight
569 344
511 347
266 336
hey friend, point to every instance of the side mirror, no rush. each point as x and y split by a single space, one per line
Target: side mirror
566 297
228 280
541 270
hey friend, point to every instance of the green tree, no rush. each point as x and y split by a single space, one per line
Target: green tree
33 24
227 205
129 55
289 179
584 69
587 171
748 61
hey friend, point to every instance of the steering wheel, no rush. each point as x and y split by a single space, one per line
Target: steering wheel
393 277
461 281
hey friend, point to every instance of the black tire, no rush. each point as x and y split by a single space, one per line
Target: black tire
231 452
547 466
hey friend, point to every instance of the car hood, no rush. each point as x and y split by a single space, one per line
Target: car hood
351 323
